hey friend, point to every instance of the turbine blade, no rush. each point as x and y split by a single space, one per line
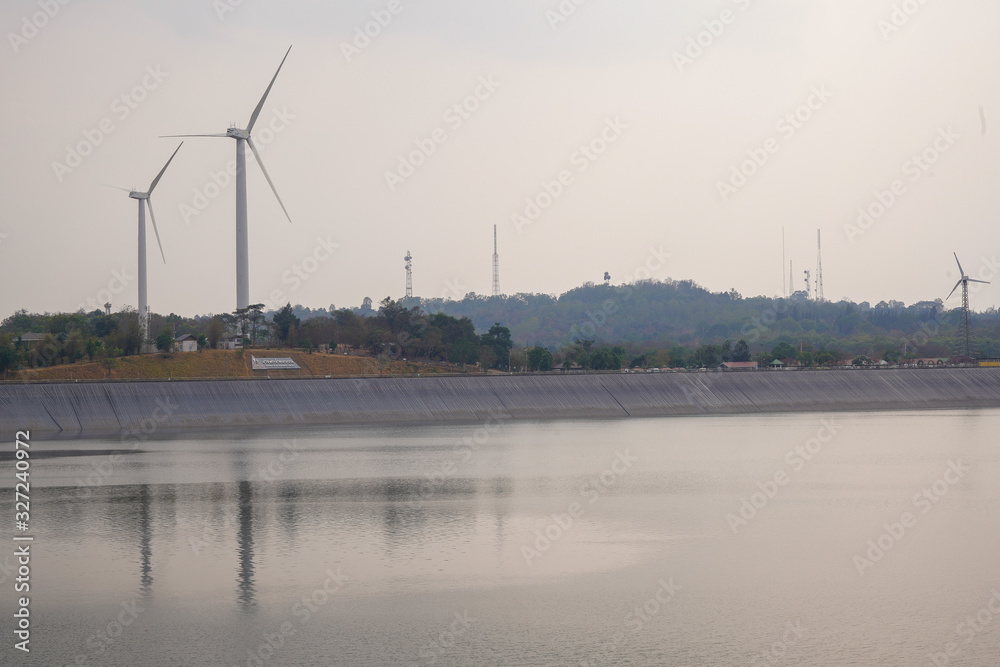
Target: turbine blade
155 230
273 189
973 280
116 187
157 179
260 105
953 289
961 271
184 136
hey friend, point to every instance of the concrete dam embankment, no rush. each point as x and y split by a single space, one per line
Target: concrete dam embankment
115 406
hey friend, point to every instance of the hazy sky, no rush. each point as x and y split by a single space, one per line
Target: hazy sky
666 121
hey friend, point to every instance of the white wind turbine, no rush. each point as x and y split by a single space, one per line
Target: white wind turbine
135 194
242 138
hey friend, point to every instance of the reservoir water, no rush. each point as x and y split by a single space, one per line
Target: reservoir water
805 539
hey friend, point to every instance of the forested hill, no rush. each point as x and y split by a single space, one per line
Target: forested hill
662 313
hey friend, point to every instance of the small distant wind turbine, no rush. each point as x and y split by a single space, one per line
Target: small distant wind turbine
242 137
135 194
964 282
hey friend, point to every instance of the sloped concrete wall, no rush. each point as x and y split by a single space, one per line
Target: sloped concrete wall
117 406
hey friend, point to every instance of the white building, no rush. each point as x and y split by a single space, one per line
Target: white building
186 343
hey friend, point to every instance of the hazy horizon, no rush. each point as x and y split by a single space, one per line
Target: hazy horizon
869 96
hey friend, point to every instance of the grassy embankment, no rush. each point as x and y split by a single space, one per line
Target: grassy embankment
227 363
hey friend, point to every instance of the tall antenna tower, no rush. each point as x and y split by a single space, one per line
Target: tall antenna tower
409 274
784 289
496 264
819 267
791 282
808 288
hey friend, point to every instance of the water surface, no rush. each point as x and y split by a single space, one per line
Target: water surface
529 543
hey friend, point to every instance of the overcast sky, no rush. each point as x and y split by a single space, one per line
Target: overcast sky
667 121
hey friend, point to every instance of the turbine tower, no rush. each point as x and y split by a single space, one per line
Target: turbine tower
965 329
242 137
409 274
144 196
496 265
819 267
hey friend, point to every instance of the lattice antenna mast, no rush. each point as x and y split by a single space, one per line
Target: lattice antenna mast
819 267
808 287
784 289
409 274
496 264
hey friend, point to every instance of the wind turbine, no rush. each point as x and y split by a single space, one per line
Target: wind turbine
242 137
134 194
964 282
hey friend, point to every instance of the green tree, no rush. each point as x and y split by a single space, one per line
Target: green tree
284 320
202 342
93 347
707 356
539 359
742 351
8 357
498 340
254 316
783 351
215 330
165 341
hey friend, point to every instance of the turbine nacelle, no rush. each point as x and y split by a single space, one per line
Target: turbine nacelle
138 195
237 133
965 279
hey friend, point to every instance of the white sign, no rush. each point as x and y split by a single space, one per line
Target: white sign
272 363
